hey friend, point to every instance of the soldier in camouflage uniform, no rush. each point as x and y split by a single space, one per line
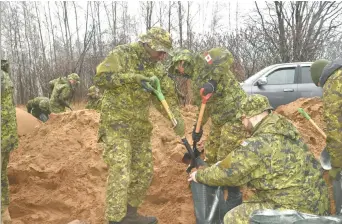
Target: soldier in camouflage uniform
213 70
9 136
124 128
94 99
274 161
62 94
328 75
59 80
39 107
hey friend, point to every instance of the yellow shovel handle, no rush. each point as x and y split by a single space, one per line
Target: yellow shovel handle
168 111
200 118
318 129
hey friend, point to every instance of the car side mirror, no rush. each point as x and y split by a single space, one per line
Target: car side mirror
262 81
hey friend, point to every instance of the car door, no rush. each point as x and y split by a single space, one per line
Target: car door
306 87
280 87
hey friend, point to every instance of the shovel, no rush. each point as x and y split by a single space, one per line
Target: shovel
325 163
161 98
324 157
193 154
206 199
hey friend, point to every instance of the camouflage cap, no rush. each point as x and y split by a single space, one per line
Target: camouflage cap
74 76
253 105
158 39
317 69
218 55
181 55
44 104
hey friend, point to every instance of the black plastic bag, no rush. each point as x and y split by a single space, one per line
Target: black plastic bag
206 203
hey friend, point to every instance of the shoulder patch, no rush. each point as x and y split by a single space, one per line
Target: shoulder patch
244 143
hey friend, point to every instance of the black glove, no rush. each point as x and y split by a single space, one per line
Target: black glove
209 87
196 137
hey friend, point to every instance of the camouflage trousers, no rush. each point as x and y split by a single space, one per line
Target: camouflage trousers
128 155
241 214
56 107
222 140
4 181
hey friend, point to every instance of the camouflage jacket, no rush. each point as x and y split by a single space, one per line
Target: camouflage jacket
59 80
332 103
276 163
61 96
9 135
38 106
223 105
124 99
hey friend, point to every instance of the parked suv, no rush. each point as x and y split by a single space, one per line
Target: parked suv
283 83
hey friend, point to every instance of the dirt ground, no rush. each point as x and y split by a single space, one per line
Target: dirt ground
57 175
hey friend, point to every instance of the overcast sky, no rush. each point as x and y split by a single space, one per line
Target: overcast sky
201 11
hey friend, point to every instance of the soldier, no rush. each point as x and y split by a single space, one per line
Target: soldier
212 71
274 161
94 99
39 107
328 75
9 136
59 80
62 94
124 128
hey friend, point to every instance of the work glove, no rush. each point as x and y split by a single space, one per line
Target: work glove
196 137
334 172
179 129
209 87
140 78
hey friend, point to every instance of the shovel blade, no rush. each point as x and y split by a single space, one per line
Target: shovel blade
325 160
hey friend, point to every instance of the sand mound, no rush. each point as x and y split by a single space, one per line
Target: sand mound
26 123
314 107
57 174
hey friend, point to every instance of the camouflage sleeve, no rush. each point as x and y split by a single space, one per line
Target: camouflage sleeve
170 95
333 117
65 95
236 169
9 136
52 84
112 72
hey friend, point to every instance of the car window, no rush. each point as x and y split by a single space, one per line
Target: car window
281 76
306 75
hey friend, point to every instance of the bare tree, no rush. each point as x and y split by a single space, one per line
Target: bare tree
180 23
297 30
147 10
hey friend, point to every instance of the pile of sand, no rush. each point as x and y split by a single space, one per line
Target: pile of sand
57 174
26 123
314 107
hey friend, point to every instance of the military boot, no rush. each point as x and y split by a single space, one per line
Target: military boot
5 217
132 217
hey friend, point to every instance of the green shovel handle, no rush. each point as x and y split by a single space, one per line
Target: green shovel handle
302 112
157 91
